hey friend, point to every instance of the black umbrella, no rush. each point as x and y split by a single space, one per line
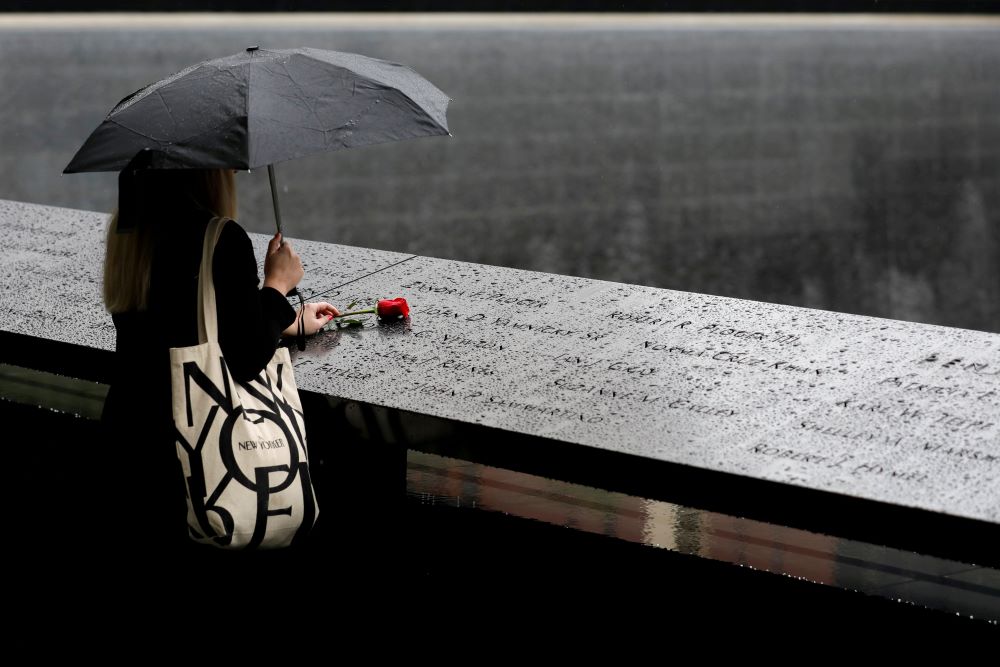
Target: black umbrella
259 107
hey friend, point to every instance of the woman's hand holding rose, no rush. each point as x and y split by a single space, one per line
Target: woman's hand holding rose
316 315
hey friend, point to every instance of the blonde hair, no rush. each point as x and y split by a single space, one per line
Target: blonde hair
129 253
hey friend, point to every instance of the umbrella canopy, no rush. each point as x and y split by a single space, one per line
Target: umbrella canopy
259 107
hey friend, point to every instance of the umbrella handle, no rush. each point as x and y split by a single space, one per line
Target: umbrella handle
277 220
274 199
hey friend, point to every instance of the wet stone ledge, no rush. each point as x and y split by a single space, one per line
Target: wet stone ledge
877 413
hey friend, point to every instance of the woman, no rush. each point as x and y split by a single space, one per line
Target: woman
154 245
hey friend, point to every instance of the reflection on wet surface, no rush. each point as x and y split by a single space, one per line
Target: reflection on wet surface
926 581
759 158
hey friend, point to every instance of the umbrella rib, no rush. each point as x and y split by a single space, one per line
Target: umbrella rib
166 106
279 121
135 132
143 92
353 121
179 142
302 95
416 107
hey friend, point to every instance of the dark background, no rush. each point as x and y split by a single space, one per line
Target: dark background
838 6
847 164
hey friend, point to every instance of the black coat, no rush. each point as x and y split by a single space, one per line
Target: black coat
142 473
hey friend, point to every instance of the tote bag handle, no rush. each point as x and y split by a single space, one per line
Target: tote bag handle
208 317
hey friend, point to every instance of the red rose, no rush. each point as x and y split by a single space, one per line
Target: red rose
393 307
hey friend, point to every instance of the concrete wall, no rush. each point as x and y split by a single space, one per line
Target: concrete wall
847 164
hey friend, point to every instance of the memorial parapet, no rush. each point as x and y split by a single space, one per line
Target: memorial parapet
821 419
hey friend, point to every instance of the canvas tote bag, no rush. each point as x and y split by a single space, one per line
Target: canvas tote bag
241 445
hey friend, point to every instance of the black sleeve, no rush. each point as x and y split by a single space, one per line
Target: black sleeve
250 319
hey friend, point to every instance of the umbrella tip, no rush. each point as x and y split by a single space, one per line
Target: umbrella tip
253 48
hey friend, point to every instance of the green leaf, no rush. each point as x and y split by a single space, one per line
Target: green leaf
351 305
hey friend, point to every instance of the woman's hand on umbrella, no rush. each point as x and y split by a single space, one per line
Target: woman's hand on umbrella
316 315
282 266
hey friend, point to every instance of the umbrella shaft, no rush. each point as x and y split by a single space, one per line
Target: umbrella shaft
277 221
274 198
